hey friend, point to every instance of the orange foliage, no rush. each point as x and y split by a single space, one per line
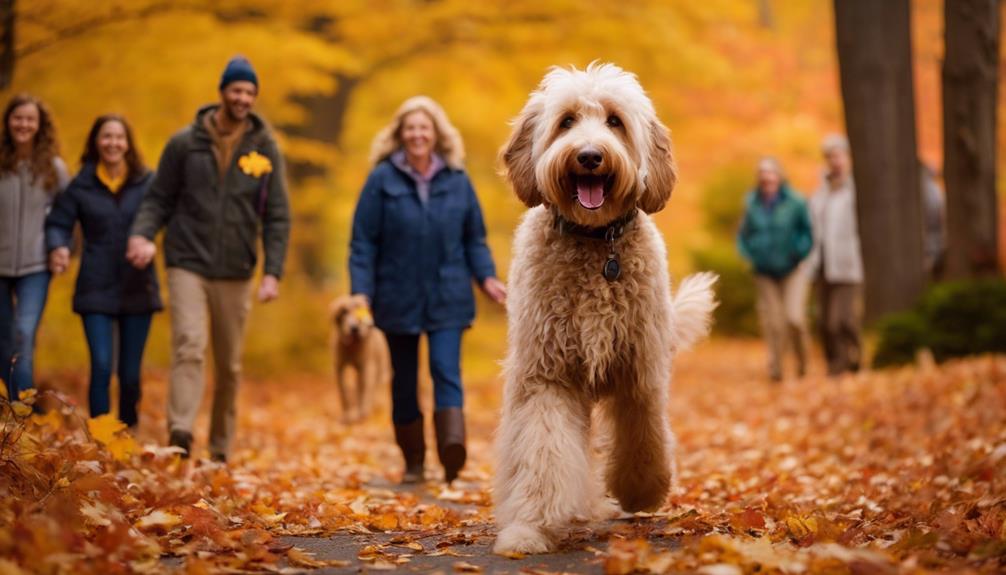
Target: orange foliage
880 472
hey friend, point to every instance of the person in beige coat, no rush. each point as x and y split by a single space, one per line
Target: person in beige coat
837 260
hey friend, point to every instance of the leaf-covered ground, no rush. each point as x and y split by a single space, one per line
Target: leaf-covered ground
886 472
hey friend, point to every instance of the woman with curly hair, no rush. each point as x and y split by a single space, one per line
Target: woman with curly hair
104 197
31 174
418 242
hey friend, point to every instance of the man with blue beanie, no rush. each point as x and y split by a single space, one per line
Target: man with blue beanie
219 182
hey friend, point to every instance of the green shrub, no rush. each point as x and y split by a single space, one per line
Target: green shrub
723 199
722 208
953 319
901 336
966 318
735 289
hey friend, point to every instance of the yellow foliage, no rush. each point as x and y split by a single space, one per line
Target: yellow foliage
255 164
110 432
730 88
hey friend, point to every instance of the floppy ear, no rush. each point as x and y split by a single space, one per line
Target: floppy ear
662 173
518 166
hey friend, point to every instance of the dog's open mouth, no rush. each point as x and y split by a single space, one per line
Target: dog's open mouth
590 189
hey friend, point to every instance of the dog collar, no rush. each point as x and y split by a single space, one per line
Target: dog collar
612 231
612 269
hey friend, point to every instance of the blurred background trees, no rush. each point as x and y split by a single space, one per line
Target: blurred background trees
970 89
875 61
733 79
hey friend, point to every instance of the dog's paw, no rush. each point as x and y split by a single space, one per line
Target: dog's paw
518 538
606 508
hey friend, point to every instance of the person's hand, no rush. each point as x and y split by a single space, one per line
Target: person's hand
140 251
59 260
268 290
495 289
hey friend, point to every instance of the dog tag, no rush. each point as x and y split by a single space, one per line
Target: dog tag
611 268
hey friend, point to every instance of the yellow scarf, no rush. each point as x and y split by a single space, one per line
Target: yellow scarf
113 184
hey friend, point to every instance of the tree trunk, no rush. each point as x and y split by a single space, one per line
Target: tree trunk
326 120
875 64
766 16
969 136
7 59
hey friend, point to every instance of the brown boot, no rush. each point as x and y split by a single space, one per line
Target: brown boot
450 426
413 444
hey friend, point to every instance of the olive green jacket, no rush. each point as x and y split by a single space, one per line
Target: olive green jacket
213 225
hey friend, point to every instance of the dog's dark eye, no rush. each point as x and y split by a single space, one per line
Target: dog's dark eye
567 122
613 121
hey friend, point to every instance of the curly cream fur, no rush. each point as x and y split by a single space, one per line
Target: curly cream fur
575 339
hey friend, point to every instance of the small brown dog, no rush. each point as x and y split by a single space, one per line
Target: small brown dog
360 345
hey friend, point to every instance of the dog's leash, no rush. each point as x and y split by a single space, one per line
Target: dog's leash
612 269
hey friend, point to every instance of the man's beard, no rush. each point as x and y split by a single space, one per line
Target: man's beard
231 117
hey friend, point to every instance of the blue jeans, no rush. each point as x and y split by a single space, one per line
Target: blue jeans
445 368
133 330
22 300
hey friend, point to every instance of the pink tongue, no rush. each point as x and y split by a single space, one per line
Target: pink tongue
590 192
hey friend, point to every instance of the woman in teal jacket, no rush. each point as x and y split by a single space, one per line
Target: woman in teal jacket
775 236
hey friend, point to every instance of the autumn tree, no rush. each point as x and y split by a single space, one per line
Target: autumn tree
970 75
875 64
6 43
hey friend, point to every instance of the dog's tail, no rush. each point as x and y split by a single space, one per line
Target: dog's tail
694 302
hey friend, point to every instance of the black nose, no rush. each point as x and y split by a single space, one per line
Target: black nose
589 158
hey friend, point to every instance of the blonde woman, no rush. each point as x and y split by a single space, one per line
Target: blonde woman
418 242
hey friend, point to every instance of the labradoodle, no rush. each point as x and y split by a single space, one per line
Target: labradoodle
591 317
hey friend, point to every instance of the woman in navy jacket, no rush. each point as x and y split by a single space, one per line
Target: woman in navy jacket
104 197
418 242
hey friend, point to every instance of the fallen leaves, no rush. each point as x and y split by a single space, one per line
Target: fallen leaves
899 471
110 432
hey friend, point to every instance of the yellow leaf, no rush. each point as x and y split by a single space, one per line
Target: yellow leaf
384 521
20 409
255 164
122 447
369 552
107 430
96 513
801 527
298 556
104 427
159 518
465 567
51 419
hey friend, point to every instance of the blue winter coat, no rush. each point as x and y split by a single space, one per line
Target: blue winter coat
106 282
416 261
775 239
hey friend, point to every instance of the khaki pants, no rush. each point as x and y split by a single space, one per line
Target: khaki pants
841 309
227 303
782 307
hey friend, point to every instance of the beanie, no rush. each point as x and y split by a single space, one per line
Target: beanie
238 69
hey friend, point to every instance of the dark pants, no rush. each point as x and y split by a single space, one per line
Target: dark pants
22 300
841 308
445 369
100 332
